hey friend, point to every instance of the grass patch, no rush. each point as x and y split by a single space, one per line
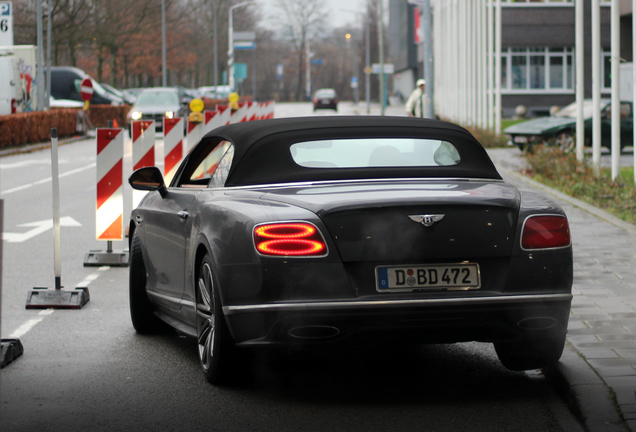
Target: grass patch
562 171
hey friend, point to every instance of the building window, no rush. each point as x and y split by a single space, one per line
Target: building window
537 70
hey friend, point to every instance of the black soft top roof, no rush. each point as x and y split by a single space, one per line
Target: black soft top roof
262 156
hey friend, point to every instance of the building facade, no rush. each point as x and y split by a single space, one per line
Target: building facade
538 51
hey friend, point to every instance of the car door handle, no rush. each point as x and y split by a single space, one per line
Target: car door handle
183 215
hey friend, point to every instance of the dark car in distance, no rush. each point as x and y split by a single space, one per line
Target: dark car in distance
318 231
325 99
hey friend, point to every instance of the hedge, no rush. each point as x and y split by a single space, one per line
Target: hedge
35 127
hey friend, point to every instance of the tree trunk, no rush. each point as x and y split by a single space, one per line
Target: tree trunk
301 60
100 64
113 66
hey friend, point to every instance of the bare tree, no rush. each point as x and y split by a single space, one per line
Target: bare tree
304 21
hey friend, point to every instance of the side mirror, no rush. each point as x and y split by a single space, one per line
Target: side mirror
148 179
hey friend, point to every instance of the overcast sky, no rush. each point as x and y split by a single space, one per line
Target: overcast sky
341 10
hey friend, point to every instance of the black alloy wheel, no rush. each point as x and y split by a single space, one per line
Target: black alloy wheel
213 338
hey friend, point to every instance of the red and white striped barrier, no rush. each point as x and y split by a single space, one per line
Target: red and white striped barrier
173 146
143 150
195 133
225 114
212 120
239 115
267 110
109 222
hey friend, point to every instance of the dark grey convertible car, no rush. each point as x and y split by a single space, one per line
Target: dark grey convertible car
312 232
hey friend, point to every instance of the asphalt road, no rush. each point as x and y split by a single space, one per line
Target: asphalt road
88 370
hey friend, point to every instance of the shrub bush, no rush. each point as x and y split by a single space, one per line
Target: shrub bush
561 170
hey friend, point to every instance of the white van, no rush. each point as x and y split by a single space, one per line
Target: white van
10 86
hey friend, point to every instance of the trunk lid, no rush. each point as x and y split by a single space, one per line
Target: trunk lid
372 222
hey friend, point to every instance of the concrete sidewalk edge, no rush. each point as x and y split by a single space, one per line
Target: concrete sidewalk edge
585 392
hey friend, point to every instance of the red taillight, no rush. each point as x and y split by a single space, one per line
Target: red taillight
544 232
14 106
315 101
289 239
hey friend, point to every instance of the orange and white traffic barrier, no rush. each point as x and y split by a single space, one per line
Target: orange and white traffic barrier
173 145
109 222
143 150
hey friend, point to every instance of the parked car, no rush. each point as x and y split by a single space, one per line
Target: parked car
560 129
156 104
65 84
134 91
314 232
65 103
126 97
212 92
325 99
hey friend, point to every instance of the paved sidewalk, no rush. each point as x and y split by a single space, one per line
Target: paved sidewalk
602 325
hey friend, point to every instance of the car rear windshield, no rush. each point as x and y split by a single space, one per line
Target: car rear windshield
326 94
374 152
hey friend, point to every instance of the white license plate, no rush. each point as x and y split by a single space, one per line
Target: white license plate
438 276
521 139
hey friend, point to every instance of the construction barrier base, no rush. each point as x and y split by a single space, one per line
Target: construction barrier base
101 258
44 298
11 350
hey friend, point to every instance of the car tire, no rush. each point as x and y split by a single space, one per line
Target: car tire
216 348
141 310
566 141
531 353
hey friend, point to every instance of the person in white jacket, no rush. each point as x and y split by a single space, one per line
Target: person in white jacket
416 102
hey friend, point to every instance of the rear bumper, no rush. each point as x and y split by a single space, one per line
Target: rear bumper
486 319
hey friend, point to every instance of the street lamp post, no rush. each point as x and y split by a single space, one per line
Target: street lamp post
230 50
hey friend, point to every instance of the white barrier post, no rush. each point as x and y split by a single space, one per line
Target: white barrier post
143 151
213 119
174 134
109 217
42 297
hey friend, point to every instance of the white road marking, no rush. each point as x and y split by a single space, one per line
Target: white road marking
48 179
40 227
30 324
27 326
